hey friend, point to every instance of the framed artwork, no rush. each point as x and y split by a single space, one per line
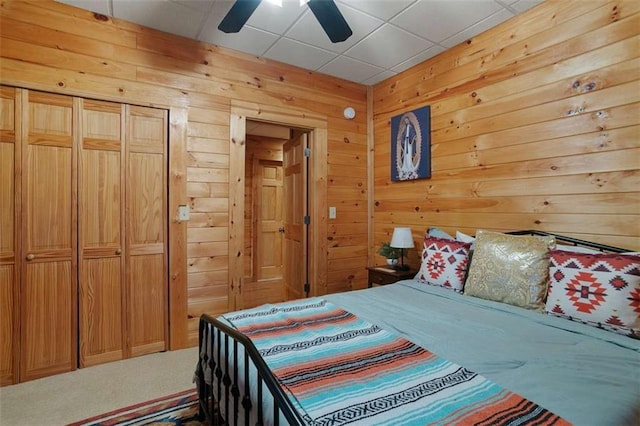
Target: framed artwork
411 145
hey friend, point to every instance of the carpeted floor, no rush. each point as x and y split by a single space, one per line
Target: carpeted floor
70 397
177 409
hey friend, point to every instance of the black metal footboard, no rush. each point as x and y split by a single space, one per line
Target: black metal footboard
235 386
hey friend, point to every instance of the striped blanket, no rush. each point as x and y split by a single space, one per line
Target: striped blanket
339 369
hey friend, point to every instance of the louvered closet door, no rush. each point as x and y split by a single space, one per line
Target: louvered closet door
146 201
101 233
48 292
8 256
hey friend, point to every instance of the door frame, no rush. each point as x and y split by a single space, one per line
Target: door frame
316 124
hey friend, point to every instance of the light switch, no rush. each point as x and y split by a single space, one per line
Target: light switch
183 213
332 212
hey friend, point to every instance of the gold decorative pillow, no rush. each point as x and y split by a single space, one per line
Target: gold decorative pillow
513 269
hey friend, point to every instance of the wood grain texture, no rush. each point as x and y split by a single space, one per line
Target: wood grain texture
9 259
48 292
546 105
146 237
8 352
101 213
534 126
129 63
177 188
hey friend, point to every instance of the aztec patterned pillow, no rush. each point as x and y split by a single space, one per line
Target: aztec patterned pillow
444 262
597 289
513 269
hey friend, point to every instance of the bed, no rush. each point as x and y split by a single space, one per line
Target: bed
442 356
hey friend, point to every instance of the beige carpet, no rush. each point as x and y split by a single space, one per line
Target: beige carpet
64 398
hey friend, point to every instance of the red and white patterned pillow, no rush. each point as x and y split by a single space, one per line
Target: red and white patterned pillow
597 289
444 262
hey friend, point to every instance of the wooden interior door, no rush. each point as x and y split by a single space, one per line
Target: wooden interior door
146 241
269 209
265 284
295 210
9 264
48 296
101 230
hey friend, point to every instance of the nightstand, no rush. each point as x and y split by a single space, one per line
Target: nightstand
381 275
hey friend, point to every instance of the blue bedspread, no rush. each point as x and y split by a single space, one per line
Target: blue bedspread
584 374
341 369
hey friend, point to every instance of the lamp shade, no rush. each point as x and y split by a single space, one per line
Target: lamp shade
401 238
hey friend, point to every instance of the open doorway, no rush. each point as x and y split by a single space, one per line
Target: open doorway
277 207
264 218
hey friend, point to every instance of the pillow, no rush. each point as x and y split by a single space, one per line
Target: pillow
577 249
461 236
597 289
444 263
513 269
438 233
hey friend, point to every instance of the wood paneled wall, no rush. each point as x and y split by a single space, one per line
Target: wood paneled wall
57 48
534 125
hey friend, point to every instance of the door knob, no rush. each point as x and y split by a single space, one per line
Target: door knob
281 229
118 251
31 256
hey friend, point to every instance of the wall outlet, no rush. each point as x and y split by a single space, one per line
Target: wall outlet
332 212
183 213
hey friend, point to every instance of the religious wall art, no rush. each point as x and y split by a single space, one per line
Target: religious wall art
411 145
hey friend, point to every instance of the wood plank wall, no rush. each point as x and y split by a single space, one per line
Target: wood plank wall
535 125
57 48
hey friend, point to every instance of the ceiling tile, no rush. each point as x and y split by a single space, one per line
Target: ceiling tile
162 15
200 5
378 78
436 20
485 24
308 30
350 69
420 57
275 19
389 35
298 54
99 6
387 47
249 40
522 5
383 9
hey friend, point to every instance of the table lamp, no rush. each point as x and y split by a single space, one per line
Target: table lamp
402 239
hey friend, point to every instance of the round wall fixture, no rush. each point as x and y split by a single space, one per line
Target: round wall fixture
349 113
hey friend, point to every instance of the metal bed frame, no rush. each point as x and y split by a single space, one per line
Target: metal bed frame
233 387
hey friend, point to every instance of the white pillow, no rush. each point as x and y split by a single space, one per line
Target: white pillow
464 238
439 233
577 249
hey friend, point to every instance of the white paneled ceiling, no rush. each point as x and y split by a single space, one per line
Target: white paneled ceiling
389 36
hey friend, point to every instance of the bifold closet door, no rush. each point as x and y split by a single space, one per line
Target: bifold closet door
146 235
9 263
48 294
101 232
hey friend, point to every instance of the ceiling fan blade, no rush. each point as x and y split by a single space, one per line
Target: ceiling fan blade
238 15
330 19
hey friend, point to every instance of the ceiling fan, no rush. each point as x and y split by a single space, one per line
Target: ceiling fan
326 12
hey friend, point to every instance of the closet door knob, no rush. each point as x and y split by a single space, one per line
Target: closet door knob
118 251
31 256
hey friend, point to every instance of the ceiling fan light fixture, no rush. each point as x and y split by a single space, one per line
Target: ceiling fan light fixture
325 11
303 2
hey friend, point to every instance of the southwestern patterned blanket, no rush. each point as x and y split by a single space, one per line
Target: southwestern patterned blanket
339 369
